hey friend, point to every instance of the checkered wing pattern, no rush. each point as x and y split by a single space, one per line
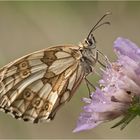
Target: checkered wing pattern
34 87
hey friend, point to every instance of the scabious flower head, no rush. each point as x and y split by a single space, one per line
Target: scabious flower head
119 92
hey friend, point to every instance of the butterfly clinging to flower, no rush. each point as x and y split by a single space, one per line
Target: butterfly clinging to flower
35 86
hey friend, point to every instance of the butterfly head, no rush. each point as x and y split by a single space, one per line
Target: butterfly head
90 41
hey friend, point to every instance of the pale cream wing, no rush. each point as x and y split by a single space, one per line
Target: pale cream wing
31 85
69 89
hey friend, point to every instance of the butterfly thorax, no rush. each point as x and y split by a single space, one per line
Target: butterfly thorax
88 51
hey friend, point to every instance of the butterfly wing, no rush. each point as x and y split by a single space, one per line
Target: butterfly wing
36 85
68 90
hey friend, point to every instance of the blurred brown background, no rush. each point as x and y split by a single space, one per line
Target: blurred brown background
29 26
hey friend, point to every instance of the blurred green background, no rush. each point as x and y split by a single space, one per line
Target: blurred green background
29 26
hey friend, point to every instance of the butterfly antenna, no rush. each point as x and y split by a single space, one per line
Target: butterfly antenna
97 25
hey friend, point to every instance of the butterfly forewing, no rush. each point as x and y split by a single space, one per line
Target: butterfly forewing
36 85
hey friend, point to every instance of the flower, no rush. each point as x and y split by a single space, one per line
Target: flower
119 92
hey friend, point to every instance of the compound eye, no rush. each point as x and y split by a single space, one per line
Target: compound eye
90 42
93 39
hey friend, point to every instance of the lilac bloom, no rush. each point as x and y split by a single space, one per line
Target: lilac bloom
119 92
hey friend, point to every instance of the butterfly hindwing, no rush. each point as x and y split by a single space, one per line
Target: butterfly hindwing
68 90
33 86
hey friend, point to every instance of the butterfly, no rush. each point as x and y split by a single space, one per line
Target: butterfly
35 86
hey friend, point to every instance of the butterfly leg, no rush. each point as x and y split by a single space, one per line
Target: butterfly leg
104 57
89 84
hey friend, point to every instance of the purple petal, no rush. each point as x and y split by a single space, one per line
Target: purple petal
87 121
125 47
86 126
